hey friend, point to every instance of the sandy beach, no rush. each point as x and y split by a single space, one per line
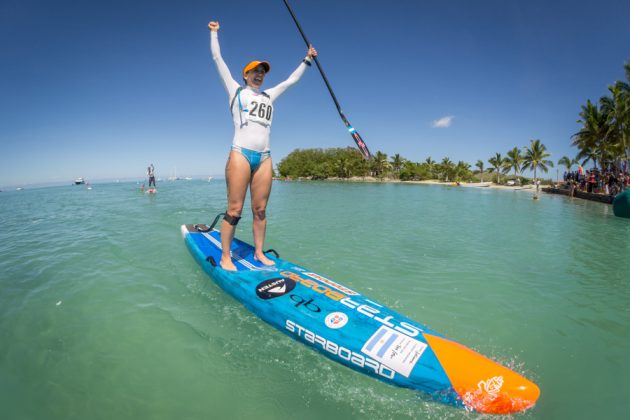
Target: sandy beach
526 188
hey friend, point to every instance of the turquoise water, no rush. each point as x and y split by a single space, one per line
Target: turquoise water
104 314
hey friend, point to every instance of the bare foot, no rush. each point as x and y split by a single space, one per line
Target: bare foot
227 264
263 259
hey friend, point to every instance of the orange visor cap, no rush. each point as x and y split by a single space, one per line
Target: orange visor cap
253 64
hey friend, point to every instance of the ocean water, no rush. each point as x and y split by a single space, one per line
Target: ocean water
104 314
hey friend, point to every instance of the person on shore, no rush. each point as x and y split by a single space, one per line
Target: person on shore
572 188
591 182
151 175
249 160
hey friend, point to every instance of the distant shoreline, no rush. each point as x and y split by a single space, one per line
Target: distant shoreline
369 179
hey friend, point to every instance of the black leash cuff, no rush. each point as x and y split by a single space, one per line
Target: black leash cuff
233 220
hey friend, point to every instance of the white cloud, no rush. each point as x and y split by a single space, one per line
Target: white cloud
443 122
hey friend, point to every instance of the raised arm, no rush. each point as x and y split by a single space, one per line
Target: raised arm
279 89
224 72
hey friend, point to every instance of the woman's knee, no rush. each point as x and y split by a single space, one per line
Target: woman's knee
259 213
235 210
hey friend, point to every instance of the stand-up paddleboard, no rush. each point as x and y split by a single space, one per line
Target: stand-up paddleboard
359 333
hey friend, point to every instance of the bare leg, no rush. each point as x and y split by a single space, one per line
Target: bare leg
260 190
237 177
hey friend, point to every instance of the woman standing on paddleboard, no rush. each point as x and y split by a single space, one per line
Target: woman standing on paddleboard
249 162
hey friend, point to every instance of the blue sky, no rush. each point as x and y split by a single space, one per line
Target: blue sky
102 89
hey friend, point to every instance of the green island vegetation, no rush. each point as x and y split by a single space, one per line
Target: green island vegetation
603 138
346 163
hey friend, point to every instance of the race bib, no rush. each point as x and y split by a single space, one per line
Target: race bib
260 110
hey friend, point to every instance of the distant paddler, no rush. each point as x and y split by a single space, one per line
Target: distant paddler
249 161
151 175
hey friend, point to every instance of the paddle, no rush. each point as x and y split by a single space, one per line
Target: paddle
355 135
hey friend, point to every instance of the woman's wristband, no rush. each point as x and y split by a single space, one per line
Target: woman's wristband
307 61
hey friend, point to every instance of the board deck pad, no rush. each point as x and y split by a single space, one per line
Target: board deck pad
359 333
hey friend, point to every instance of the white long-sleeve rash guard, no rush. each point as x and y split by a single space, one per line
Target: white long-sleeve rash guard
253 115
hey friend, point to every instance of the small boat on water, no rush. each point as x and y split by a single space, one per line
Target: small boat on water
477 184
79 181
174 177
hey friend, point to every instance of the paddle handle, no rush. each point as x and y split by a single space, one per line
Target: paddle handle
353 132
319 67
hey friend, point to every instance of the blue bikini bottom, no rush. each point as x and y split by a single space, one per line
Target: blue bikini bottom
253 157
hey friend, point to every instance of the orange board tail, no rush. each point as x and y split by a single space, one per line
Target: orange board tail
484 385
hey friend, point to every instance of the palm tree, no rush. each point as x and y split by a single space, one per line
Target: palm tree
379 163
479 165
462 171
605 132
585 155
567 162
397 162
498 164
536 157
617 111
446 168
591 140
514 160
430 166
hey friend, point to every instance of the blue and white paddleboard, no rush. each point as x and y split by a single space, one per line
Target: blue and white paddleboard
359 333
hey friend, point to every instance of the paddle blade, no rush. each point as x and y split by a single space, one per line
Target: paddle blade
360 143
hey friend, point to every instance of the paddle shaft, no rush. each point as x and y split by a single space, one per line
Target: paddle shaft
355 135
